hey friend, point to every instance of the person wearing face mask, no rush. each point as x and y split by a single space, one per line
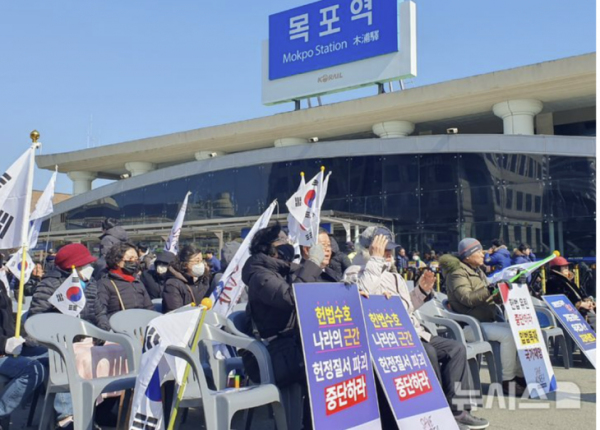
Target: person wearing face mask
371 273
77 255
560 281
121 288
188 280
154 279
36 277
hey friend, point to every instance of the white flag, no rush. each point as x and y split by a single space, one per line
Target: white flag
305 207
173 329
14 265
294 230
228 291
69 298
13 194
43 208
509 272
172 244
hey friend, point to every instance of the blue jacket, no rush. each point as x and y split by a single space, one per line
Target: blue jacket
215 265
499 260
519 258
401 262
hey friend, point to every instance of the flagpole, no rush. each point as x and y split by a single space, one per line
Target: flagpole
25 229
186 374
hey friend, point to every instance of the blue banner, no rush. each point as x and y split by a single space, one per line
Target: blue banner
574 323
402 366
336 353
329 33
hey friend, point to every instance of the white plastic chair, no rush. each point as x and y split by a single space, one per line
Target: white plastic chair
133 323
220 406
57 332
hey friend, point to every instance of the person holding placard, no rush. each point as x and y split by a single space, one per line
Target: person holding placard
372 273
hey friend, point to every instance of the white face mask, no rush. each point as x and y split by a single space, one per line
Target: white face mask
416 258
161 270
86 272
198 270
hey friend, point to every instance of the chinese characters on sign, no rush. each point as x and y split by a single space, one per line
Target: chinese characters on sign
329 33
526 331
574 323
338 366
402 366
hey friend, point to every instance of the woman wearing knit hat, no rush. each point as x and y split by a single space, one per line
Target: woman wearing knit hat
469 294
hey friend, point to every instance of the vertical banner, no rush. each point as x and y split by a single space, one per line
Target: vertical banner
403 368
336 353
526 331
574 323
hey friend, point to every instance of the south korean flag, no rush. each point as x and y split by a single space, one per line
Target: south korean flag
15 263
69 298
173 329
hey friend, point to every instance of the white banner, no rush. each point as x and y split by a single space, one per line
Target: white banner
172 329
69 298
14 265
526 331
229 289
509 272
43 208
172 244
305 206
13 195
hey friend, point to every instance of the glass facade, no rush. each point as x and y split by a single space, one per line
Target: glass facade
429 200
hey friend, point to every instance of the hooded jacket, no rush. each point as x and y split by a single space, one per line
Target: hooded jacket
499 260
467 289
111 237
50 283
559 284
133 295
180 290
520 258
370 275
270 294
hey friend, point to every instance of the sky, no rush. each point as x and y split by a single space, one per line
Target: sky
98 72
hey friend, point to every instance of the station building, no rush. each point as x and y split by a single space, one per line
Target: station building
509 154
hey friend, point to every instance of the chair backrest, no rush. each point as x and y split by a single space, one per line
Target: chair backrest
57 332
133 323
237 323
215 319
240 307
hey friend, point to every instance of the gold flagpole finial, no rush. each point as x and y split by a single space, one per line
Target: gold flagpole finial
34 135
322 168
301 173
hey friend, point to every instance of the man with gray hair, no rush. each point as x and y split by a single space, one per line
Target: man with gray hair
372 273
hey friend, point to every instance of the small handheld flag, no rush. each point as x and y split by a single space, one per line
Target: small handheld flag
69 298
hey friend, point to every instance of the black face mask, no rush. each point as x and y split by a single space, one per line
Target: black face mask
285 252
131 267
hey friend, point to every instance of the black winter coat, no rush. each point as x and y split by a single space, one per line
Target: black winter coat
559 284
112 237
133 294
7 320
270 293
180 290
50 282
154 283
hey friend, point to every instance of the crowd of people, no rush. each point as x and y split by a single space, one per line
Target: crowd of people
128 276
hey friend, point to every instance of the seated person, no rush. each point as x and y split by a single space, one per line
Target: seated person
448 357
468 294
17 364
497 257
522 255
154 279
188 280
560 281
121 287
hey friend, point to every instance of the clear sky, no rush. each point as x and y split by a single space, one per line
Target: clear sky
140 68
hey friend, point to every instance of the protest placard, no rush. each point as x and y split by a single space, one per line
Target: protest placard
533 355
403 368
336 353
574 323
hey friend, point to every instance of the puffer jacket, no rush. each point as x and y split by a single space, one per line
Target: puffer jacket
111 237
467 289
270 294
133 295
180 290
154 283
499 260
50 283
370 274
339 261
519 258
7 320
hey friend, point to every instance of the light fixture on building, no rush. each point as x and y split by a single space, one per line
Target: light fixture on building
452 131
124 176
313 139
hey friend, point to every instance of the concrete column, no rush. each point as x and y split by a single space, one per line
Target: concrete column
137 168
82 181
518 115
290 141
389 129
204 155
